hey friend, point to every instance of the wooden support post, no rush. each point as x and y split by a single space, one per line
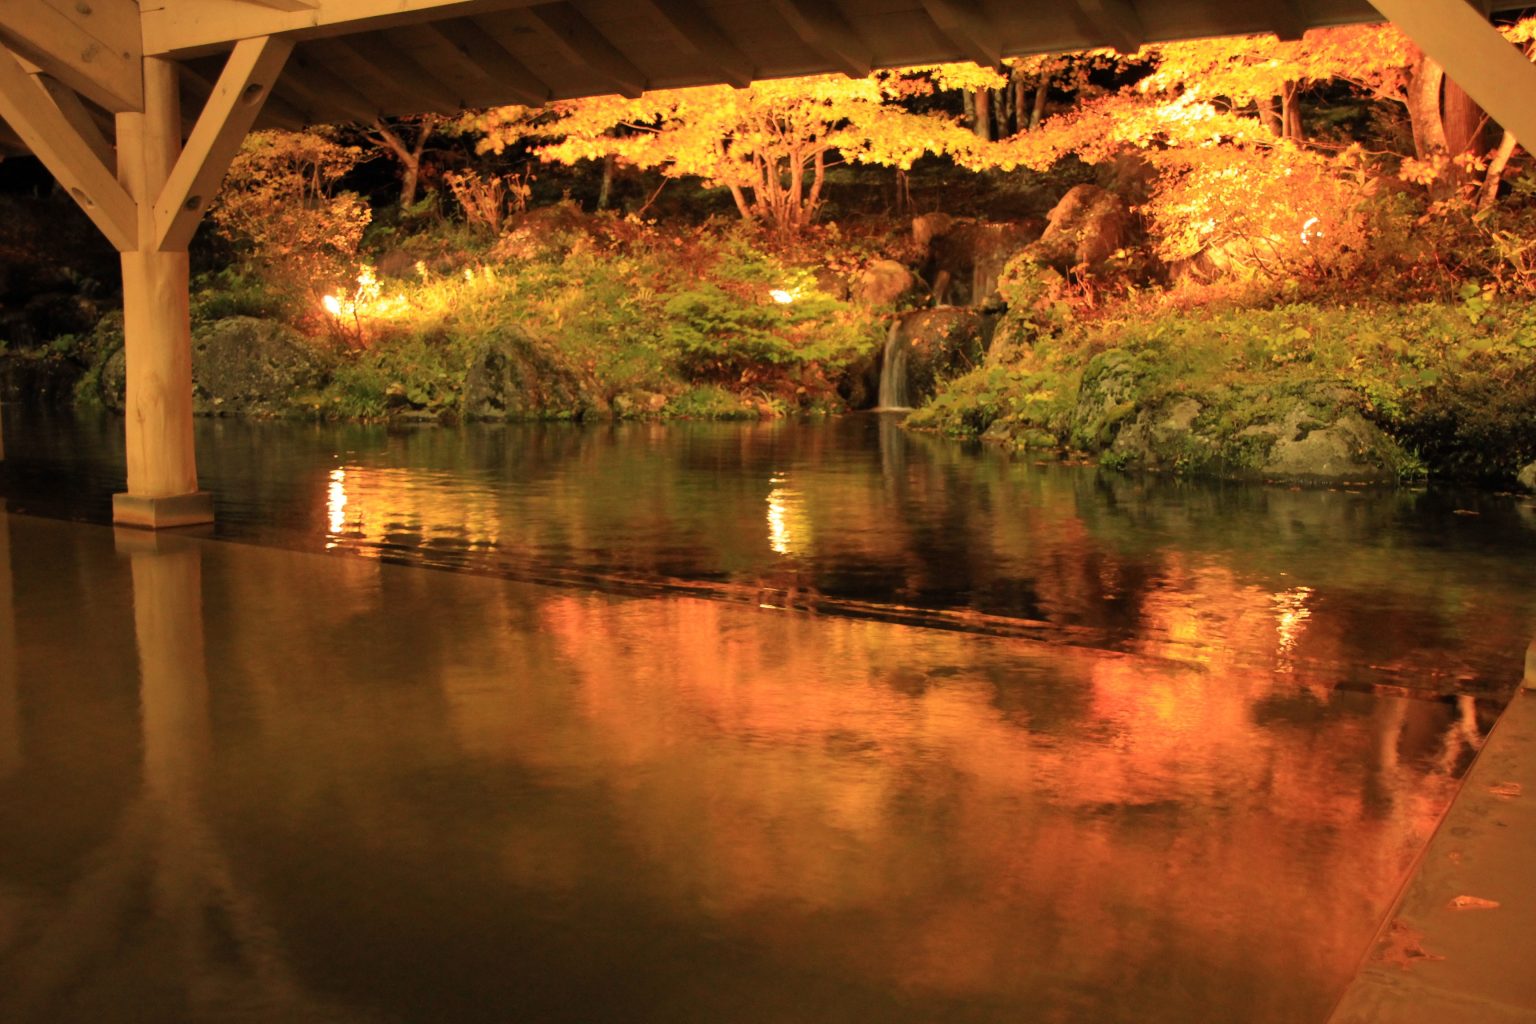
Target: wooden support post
157 328
1488 66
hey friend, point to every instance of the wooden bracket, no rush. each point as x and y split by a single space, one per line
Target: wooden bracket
25 103
92 47
232 107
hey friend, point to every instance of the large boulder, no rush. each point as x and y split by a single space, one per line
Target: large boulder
938 344
882 284
512 378
241 365
1306 434
247 365
1085 229
965 257
1527 478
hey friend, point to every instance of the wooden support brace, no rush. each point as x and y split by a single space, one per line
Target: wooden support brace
692 29
962 25
1486 65
1114 21
32 113
579 42
92 47
821 27
232 108
79 118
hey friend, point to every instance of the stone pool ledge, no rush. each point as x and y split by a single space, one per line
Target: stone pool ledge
1459 944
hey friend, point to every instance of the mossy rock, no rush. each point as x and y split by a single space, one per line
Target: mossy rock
512 378
241 365
1308 433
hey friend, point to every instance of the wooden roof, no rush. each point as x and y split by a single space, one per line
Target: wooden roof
359 59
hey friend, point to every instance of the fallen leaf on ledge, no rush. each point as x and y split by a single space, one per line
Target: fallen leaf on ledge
1473 903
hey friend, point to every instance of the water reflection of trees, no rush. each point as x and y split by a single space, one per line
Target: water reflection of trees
396 793
827 518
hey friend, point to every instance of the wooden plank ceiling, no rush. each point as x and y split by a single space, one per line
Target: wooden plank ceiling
361 59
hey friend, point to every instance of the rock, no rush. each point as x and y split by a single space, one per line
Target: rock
930 226
965 259
942 343
1088 226
240 365
1310 434
513 378
1347 448
1527 478
245 365
882 283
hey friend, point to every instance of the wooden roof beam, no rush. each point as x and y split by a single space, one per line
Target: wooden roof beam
485 55
1116 22
180 28
397 66
94 48
324 94
691 29
579 42
32 114
823 28
1289 18
287 5
231 110
962 24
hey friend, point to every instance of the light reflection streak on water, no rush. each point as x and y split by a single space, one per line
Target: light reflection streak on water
336 506
1291 615
788 525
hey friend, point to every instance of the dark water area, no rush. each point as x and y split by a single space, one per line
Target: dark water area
1168 757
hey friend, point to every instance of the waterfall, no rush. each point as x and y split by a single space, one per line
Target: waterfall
893 369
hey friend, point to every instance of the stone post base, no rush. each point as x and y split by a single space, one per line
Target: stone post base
159 513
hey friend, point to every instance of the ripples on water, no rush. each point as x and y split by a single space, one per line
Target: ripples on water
243 782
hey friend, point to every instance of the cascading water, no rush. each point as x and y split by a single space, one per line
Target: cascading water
893 369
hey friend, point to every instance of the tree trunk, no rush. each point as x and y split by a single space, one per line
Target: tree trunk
968 103
1290 112
1429 141
1037 112
605 187
1495 176
1464 122
1269 116
984 114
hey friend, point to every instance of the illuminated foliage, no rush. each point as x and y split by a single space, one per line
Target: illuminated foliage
770 144
281 202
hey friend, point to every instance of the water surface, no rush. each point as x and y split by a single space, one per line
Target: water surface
1169 757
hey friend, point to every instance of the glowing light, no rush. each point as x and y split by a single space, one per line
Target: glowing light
782 297
788 527
1311 231
336 501
1291 615
332 305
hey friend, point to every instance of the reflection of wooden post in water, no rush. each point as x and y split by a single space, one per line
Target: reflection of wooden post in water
173 705
10 710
